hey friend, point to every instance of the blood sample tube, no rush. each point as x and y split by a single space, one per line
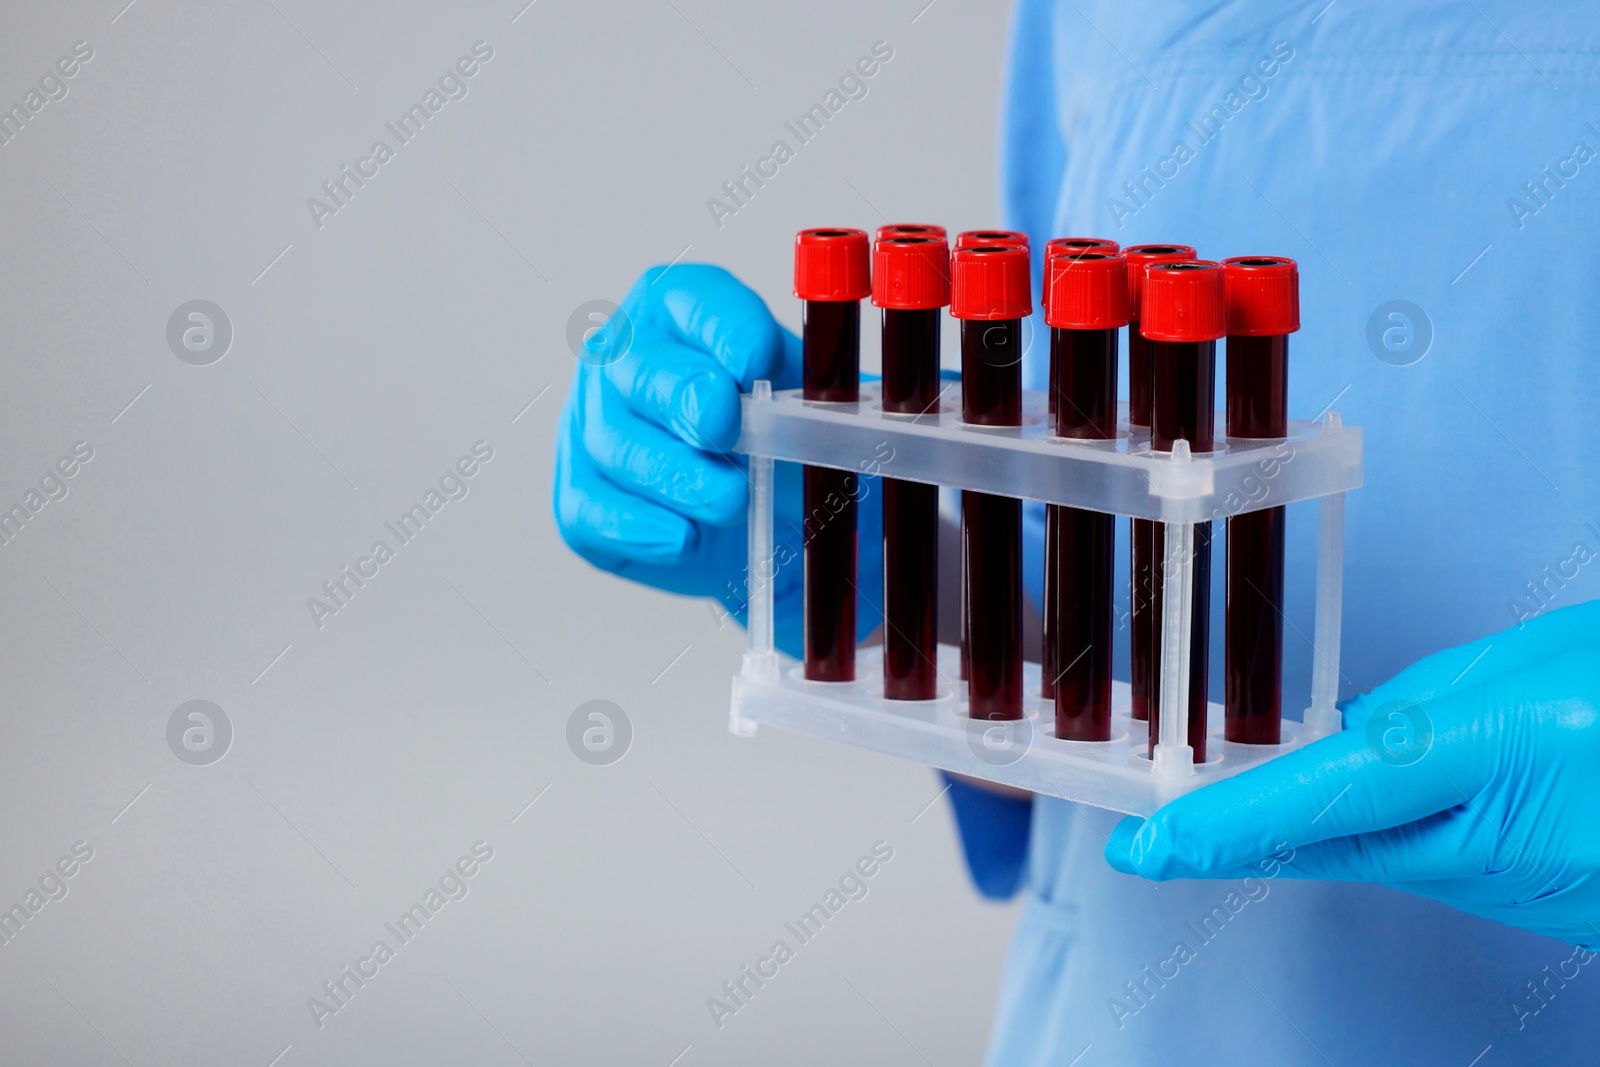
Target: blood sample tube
1143 558
964 240
1263 298
1067 246
1140 257
910 283
1087 305
991 293
831 276
975 238
1056 246
912 229
1184 316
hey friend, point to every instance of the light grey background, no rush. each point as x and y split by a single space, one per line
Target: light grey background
368 355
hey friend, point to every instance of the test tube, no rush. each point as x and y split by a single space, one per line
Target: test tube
1067 246
1263 298
1143 652
1183 317
991 293
976 238
964 240
1056 246
831 277
1087 304
910 283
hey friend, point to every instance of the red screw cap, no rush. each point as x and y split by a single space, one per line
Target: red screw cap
1263 295
1071 246
1184 301
977 238
1140 257
831 264
1087 291
912 229
910 273
991 282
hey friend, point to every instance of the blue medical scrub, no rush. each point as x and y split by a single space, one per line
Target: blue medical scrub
1443 154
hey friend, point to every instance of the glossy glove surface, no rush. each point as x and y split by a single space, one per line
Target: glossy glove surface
646 484
1472 777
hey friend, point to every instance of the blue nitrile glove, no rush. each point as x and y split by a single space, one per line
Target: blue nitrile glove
645 484
1472 777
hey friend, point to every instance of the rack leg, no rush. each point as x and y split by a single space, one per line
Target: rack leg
1323 717
1172 756
760 658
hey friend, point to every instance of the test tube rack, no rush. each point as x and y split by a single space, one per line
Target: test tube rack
1316 461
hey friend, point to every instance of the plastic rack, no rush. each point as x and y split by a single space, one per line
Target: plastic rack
1316 461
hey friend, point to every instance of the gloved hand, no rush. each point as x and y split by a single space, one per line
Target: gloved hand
1470 778
645 484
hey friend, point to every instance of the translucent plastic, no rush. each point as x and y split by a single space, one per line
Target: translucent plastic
1323 716
1120 477
1317 460
1172 751
1025 753
760 658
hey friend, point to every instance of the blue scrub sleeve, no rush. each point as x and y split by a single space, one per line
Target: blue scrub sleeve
994 837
